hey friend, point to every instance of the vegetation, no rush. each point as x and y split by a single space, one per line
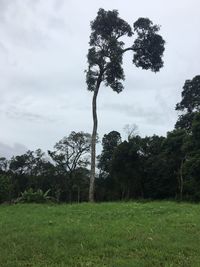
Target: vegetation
111 234
151 167
30 196
126 233
105 58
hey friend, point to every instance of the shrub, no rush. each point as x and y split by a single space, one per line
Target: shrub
31 196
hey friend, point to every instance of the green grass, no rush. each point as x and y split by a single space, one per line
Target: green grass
109 234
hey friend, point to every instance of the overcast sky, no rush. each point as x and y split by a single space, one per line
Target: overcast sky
43 47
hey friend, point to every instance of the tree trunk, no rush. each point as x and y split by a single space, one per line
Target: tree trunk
70 187
93 142
181 180
78 194
123 193
179 194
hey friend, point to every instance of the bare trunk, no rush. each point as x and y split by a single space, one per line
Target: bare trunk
123 194
179 194
93 142
78 195
70 187
181 181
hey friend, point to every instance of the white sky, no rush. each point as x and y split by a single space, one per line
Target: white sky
43 50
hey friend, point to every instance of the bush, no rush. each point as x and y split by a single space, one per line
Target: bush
31 196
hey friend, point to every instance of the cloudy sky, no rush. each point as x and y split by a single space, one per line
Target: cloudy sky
43 48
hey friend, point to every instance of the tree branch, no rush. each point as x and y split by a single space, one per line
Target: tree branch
127 49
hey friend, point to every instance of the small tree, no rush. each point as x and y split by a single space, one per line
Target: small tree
105 57
70 154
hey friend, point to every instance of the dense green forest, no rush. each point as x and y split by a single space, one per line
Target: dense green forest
151 167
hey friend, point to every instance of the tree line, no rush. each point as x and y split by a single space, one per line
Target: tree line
151 167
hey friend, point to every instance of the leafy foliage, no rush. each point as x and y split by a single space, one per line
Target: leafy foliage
106 50
31 196
31 163
148 46
189 104
71 152
110 142
190 96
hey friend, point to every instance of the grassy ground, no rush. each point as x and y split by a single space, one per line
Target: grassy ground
110 234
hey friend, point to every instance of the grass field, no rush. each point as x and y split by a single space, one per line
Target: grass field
109 234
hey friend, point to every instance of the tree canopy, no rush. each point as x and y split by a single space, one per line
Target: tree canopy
189 104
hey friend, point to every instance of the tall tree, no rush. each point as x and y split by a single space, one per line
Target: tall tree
105 58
